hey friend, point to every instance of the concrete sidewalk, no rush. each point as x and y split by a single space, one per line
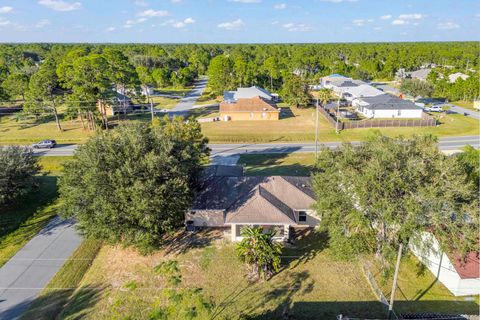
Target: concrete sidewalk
30 270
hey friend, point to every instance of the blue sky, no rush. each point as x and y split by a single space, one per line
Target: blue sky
233 21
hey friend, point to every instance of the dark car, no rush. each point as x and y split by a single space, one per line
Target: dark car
44 144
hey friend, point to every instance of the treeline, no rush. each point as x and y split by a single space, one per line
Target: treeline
86 72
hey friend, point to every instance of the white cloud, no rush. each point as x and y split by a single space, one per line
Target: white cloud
404 19
280 6
377 28
110 29
42 23
301 27
179 24
386 17
358 22
411 16
232 25
176 1
448 25
130 23
60 5
246 1
6 9
153 13
4 22
399 22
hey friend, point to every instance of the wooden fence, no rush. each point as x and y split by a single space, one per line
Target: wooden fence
425 121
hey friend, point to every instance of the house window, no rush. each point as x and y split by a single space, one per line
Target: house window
399 112
264 115
302 216
251 114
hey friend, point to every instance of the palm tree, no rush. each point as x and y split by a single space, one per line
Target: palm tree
260 252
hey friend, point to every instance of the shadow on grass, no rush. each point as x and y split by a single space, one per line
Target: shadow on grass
268 164
307 244
35 201
183 241
58 304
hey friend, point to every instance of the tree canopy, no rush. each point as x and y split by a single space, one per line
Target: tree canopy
133 185
17 169
387 191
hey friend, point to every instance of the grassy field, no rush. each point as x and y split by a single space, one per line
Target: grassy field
425 290
207 98
52 299
297 126
23 220
300 127
165 102
311 285
464 104
292 164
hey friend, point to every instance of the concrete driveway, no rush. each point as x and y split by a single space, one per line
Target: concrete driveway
30 270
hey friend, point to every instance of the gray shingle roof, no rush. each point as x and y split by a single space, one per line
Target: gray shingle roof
256 199
388 102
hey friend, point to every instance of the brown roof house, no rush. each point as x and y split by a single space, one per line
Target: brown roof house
252 103
278 203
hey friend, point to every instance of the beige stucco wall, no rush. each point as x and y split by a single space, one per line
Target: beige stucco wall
205 218
236 116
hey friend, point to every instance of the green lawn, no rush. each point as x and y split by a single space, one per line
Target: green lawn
286 164
207 97
464 104
53 298
164 102
121 283
424 292
22 220
297 126
300 127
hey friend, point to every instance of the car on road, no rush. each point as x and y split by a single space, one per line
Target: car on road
44 144
434 109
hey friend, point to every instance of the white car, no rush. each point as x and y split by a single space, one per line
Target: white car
44 144
434 109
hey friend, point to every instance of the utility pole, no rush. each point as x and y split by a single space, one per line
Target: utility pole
336 118
316 130
395 277
151 107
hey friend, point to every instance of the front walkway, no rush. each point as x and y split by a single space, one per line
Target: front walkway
30 270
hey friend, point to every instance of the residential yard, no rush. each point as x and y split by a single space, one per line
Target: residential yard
164 102
278 164
311 285
464 104
23 220
207 98
299 126
425 291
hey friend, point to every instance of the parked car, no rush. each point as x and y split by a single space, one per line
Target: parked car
434 109
44 144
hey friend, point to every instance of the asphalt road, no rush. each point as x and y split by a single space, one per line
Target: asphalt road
187 102
445 144
30 270
468 112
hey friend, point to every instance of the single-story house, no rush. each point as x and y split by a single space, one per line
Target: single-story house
248 93
387 106
324 81
461 277
119 104
455 76
279 203
420 74
348 88
256 108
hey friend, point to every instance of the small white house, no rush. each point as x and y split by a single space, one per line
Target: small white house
460 278
387 106
458 75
